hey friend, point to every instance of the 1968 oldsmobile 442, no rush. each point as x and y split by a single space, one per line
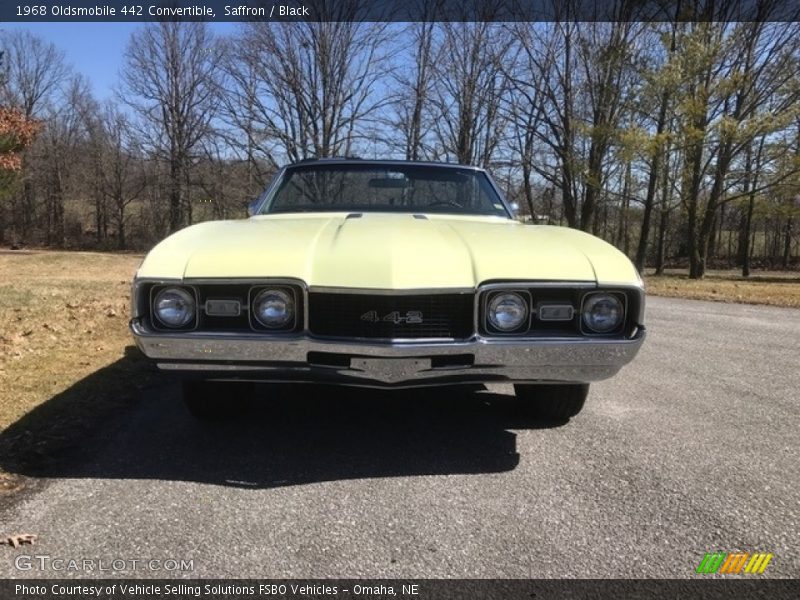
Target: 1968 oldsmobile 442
387 274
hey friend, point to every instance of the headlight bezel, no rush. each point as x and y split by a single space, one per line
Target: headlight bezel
490 327
255 322
622 299
632 298
156 320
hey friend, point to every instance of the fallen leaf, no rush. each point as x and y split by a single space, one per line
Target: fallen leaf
18 539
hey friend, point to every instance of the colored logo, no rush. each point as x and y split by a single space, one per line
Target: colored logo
734 562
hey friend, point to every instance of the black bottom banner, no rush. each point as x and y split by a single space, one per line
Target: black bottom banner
420 589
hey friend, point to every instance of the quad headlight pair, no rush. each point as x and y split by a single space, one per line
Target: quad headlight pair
176 307
507 312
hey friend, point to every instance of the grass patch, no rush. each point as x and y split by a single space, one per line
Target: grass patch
775 288
11 297
66 361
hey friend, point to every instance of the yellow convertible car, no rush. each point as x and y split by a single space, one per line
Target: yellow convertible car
387 274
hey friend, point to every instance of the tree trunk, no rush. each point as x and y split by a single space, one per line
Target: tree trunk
526 183
652 181
718 244
28 209
592 192
641 249
568 200
702 238
741 245
751 173
711 253
747 235
175 200
58 206
777 234
695 271
690 190
662 241
664 220
626 199
121 228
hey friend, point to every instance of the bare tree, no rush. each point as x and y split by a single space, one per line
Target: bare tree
308 89
605 53
470 82
171 81
524 107
547 80
57 155
34 71
239 109
415 85
121 179
660 86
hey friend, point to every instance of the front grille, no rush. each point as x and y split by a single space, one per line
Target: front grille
391 317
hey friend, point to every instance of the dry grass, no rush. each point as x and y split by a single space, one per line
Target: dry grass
776 288
63 359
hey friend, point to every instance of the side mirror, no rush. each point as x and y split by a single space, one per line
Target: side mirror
515 208
252 207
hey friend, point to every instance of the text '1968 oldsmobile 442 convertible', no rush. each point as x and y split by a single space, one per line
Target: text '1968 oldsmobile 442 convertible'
387 274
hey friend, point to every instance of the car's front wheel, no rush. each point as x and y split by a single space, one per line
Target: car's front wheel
552 401
212 400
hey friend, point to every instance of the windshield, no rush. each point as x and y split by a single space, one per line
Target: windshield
385 188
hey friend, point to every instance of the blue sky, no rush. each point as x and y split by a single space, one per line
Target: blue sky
94 49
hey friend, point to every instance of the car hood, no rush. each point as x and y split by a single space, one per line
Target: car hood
386 251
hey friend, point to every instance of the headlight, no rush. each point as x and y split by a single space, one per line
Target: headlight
507 311
174 307
274 309
602 313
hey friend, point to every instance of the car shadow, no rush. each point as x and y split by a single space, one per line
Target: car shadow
293 434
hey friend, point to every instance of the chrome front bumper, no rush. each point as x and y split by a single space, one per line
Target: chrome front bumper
407 364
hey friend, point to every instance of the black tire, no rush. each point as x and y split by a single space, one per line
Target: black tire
552 401
215 400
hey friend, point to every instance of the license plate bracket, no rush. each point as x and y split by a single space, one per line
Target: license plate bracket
390 369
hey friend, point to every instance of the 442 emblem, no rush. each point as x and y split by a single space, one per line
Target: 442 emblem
396 317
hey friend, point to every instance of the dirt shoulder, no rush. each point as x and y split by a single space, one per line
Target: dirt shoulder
774 288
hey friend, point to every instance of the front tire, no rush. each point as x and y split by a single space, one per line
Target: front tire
552 401
215 400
